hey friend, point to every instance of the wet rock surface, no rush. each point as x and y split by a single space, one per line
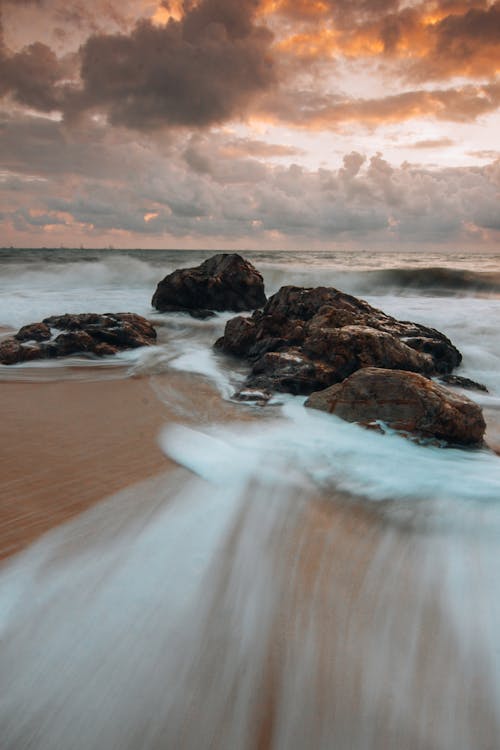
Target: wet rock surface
404 401
307 339
93 334
223 282
460 382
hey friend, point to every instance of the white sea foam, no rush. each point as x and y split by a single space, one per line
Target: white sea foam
30 292
334 453
471 324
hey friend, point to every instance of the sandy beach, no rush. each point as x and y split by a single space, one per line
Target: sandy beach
67 444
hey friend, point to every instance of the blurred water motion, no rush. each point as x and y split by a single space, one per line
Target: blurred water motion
253 614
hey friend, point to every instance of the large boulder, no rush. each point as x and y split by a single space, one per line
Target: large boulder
404 401
305 339
223 282
93 334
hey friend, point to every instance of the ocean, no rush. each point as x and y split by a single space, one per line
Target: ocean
298 582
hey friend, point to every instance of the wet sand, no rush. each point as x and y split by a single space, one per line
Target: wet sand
66 444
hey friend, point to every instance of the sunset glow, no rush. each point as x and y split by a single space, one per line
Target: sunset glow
214 112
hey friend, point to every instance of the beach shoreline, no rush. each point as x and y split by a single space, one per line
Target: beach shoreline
66 444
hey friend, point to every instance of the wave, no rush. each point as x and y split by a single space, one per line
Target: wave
64 270
451 280
434 281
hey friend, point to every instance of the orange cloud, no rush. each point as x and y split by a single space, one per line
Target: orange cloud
305 9
433 143
303 109
167 10
432 40
322 43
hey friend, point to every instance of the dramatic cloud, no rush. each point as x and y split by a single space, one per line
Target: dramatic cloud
253 122
431 40
465 44
31 77
81 190
215 60
201 70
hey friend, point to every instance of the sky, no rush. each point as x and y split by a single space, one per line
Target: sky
250 124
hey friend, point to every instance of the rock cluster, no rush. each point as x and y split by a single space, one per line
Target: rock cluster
223 282
357 362
89 333
307 339
404 401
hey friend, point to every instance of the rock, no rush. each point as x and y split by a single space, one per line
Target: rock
405 401
329 335
93 334
72 342
444 356
33 332
11 351
461 382
223 282
289 372
348 348
253 395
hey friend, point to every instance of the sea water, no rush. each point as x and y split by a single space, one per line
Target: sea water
299 582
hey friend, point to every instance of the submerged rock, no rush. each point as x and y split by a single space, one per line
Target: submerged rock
253 395
223 282
404 401
88 333
460 382
307 339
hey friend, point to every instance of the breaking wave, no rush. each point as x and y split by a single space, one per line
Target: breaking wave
438 279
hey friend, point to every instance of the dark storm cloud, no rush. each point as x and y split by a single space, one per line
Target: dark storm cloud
195 72
31 77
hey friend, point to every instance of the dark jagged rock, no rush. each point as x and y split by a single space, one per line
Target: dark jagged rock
223 282
306 339
404 401
351 347
34 332
93 334
444 356
289 372
461 382
73 341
